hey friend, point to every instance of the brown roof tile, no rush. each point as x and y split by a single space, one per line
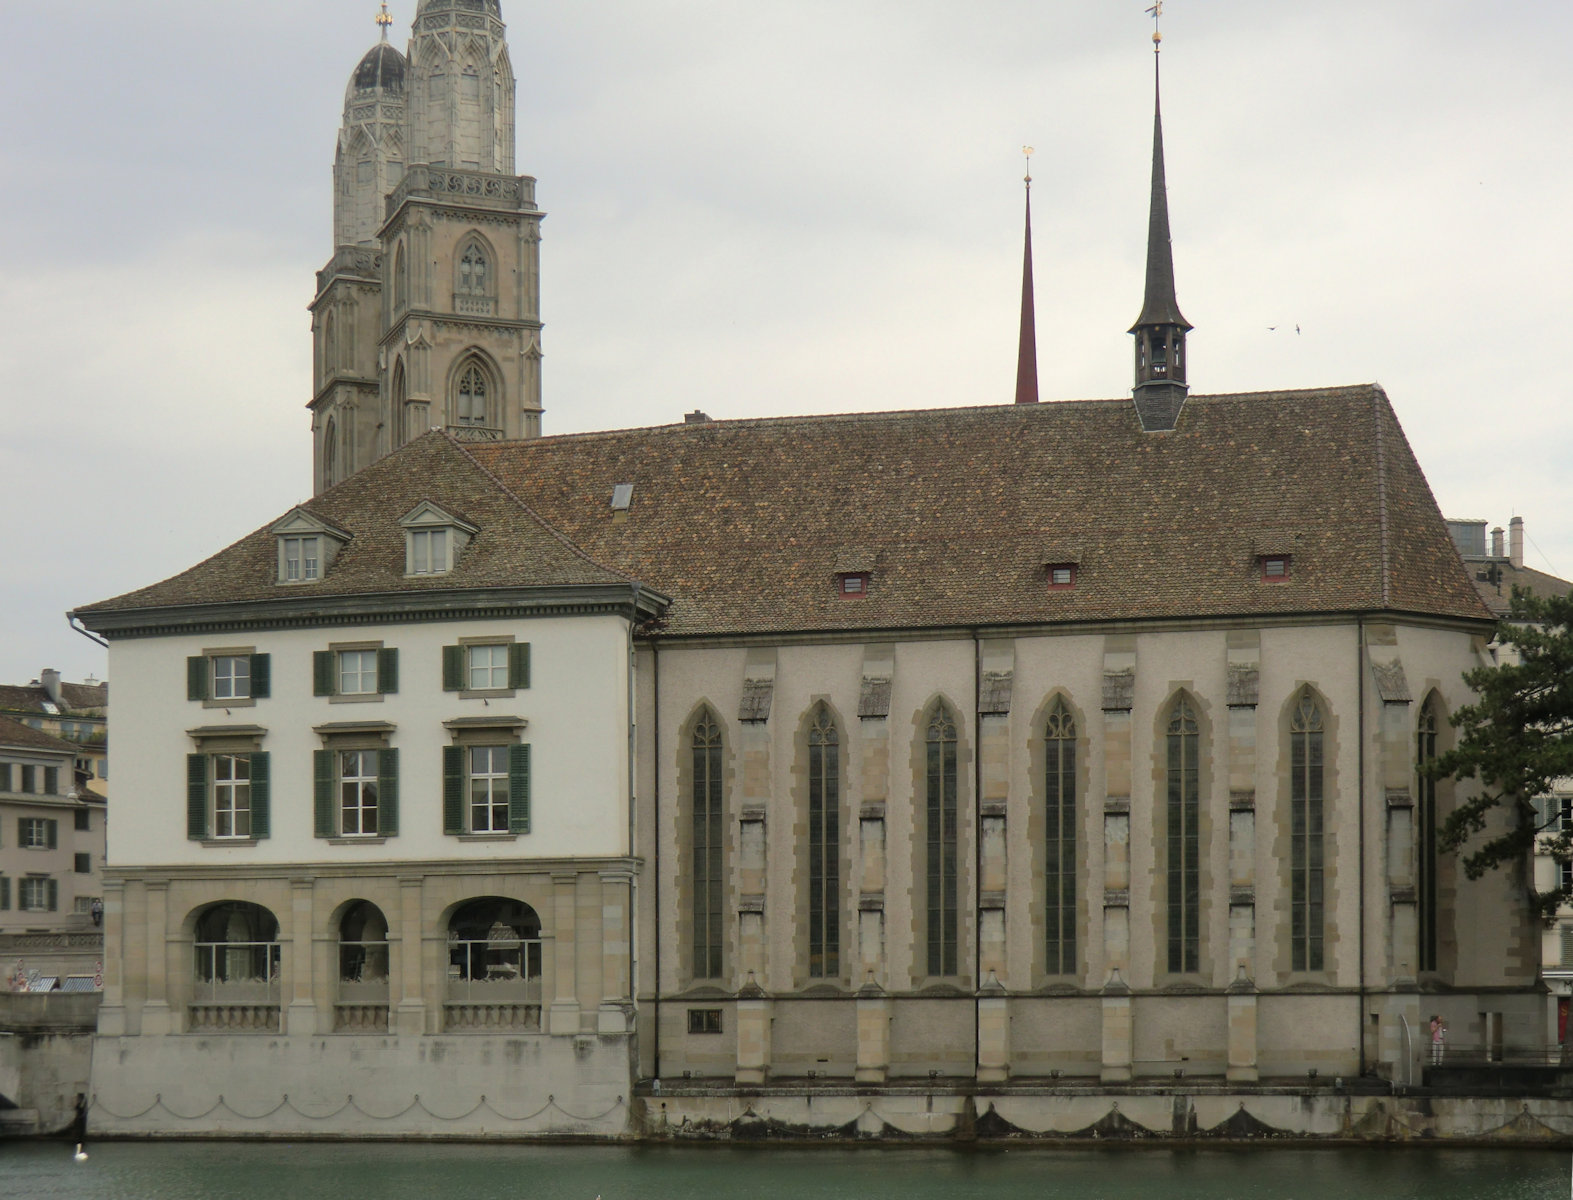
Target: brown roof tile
744 523
14 734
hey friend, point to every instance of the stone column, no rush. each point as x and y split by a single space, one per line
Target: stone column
112 1009
588 932
616 950
407 980
156 1016
300 1019
564 1017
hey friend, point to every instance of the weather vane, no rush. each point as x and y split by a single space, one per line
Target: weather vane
1026 152
1157 15
384 19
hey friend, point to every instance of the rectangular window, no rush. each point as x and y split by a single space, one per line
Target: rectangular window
5 777
232 677
488 793
488 668
1275 568
357 672
1062 575
84 820
358 778
704 1020
486 789
84 864
29 779
428 551
37 833
51 781
232 795
854 584
38 893
301 558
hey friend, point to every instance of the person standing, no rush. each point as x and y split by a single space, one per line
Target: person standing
1438 1038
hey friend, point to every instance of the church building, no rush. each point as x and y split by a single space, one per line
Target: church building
1001 767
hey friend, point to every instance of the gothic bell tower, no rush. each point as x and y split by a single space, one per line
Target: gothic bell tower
461 242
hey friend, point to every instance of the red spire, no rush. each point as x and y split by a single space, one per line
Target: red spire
1027 353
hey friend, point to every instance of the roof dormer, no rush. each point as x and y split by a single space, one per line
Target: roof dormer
307 546
433 539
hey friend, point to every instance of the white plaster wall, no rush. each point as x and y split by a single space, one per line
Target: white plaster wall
576 706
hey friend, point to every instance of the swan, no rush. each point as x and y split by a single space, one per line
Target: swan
81 1154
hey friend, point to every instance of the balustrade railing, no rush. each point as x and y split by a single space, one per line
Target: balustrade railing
493 984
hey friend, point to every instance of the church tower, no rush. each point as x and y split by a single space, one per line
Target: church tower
1160 330
428 316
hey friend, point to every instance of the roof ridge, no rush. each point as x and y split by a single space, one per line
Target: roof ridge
572 546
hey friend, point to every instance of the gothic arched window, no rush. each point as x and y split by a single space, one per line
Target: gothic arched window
474 271
1425 820
824 846
330 453
709 832
470 403
1059 858
401 280
1184 839
942 872
1305 835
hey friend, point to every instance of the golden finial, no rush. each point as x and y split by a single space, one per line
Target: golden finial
1156 11
1026 152
384 19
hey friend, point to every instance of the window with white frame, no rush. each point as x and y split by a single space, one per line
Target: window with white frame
488 789
428 551
487 668
357 783
232 677
486 783
37 833
483 667
357 674
358 776
357 671
232 795
302 558
229 677
38 893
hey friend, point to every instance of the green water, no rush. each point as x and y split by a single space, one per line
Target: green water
295 1171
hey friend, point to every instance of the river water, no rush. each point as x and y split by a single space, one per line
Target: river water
409 1171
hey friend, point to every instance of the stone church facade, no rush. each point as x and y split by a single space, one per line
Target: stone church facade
1024 759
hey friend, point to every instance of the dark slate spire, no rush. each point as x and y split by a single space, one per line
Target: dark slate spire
1160 330
1027 352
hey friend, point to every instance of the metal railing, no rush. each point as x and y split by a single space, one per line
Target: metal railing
494 971
237 973
363 972
1481 1054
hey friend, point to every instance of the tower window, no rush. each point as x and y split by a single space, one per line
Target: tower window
471 409
472 271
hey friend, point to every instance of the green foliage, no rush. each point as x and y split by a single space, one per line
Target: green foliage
1515 742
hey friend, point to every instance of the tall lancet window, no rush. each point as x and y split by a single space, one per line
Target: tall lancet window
472 271
1305 835
942 873
471 406
1425 818
1184 839
1059 858
824 846
708 832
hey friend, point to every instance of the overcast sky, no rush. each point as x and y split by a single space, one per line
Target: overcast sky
776 208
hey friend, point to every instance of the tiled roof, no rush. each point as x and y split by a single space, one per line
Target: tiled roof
31 697
14 734
81 696
1498 592
514 548
743 523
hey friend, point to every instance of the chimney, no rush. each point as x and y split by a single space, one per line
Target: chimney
50 678
1515 541
1496 543
697 417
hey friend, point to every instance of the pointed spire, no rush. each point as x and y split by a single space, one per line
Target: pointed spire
1160 330
1027 351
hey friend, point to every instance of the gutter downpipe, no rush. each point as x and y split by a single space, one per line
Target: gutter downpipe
977 852
655 735
633 810
1360 694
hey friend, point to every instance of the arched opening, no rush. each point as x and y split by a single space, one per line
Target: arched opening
824 845
236 977
401 280
494 966
941 868
469 407
363 968
1060 818
330 345
330 453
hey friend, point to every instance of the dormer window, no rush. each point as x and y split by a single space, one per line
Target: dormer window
1062 575
853 583
306 547
1061 564
433 539
1275 567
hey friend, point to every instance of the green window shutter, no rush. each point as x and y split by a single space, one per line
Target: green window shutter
261 794
519 789
388 671
322 673
54 894
5 893
388 793
52 834
453 668
453 787
322 792
197 678
519 665
261 676
197 796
